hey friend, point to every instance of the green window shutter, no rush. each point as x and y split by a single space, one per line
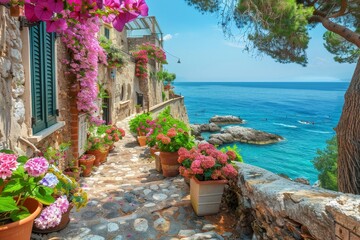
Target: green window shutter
42 45
107 32
50 93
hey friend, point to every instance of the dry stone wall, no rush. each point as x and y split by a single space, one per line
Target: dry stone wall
272 207
177 108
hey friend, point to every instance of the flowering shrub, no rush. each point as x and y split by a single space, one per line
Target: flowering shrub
173 140
24 178
145 52
140 124
58 13
114 55
67 186
205 162
114 133
77 22
51 216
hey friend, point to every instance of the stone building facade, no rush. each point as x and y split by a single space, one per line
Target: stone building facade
23 103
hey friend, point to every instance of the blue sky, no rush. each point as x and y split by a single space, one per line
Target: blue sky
207 56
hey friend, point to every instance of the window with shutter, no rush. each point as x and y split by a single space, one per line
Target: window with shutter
42 61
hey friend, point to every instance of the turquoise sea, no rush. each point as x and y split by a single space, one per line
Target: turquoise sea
304 113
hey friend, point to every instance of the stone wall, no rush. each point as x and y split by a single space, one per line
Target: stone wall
15 90
271 207
177 108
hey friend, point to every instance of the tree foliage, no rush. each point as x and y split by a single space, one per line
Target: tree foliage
280 28
326 164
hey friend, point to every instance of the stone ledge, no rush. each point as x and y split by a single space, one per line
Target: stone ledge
36 138
292 208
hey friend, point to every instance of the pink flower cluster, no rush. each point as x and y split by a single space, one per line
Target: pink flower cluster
147 51
8 164
36 166
57 12
51 215
205 162
80 39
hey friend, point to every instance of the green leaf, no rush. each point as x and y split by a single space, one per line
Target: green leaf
18 215
7 151
46 198
22 159
12 186
7 204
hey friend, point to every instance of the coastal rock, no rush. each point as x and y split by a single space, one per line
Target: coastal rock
244 135
229 119
197 129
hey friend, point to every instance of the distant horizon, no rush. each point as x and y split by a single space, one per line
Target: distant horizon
183 81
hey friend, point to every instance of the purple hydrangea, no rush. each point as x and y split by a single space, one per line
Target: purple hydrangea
50 180
51 215
36 166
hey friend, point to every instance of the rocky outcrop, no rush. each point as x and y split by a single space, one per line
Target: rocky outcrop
222 120
244 135
197 129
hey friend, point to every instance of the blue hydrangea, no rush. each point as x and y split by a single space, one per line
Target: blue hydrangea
50 180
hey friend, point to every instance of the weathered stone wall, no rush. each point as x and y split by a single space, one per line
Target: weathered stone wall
271 207
15 90
177 108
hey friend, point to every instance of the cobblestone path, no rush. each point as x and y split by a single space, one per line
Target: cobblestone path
130 200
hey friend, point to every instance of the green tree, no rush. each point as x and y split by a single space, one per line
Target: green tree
326 164
280 29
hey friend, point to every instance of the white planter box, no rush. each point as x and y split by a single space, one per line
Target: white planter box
206 196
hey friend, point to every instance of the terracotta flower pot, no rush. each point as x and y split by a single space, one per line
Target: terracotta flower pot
100 155
16 11
87 163
206 196
65 219
169 164
154 149
21 230
141 140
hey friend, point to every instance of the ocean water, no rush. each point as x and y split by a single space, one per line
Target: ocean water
305 114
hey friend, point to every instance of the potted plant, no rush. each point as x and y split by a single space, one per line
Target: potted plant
57 156
208 169
72 169
169 143
99 142
21 201
138 108
56 216
139 126
114 134
86 162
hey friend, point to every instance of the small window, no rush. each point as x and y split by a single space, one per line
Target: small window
107 33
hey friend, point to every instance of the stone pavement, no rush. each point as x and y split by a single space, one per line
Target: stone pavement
130 200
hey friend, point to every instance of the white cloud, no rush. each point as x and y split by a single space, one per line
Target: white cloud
234 44
167 37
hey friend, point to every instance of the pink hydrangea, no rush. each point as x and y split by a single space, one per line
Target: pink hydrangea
216 174
229 171
36 166
231 154
222 157
208 162
62 203
165 140
8 164
171 133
